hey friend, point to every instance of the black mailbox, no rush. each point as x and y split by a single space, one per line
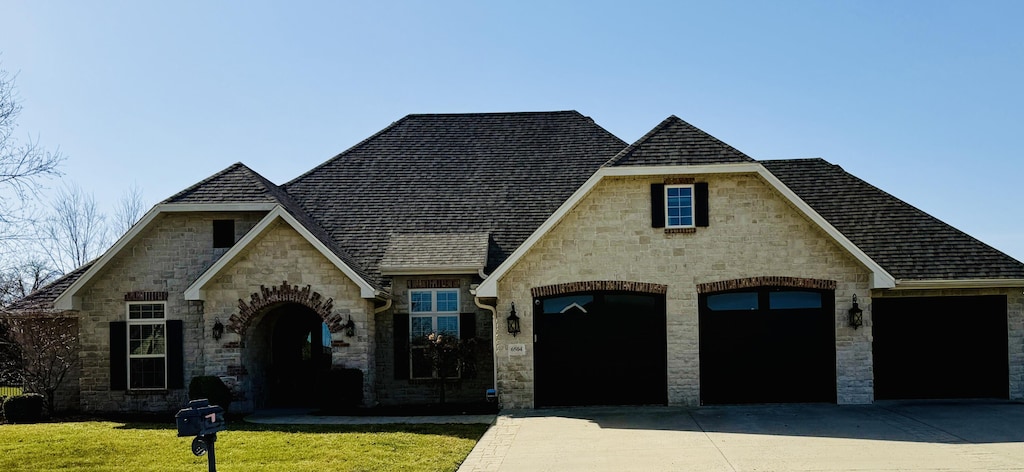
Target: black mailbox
200 418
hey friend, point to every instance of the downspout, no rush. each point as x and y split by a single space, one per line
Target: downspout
494 338
384 307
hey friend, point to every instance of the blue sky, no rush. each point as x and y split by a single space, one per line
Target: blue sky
922 99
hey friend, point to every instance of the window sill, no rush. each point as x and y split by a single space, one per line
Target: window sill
141 392
429 381
680 230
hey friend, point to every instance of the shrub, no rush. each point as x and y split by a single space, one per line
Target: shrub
340 389
211 388
27 408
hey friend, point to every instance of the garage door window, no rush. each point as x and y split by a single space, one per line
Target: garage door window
793 300
733 301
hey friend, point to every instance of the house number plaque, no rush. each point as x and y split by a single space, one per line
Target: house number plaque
516 350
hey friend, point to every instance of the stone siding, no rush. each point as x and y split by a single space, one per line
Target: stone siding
392 391
167 256
753 232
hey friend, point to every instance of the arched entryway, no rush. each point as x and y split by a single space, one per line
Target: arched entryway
290 349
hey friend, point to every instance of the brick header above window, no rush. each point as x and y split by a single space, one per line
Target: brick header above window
599 286
768 281
679 180
443 283
145 296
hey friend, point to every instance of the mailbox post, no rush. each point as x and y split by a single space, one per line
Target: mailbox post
202 420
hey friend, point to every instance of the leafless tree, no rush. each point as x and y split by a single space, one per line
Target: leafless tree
129 210
48 348
21 280
76 231
23 164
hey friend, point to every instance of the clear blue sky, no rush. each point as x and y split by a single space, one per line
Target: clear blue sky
920 98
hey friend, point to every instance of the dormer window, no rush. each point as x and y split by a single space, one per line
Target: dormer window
679 206
223 233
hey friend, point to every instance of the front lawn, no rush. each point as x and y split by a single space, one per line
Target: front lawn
105 445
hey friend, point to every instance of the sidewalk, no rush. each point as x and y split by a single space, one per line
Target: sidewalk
303 416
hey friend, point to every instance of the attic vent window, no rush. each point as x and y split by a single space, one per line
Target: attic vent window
223 233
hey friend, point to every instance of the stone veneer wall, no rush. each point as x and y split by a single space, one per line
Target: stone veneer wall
753 232
1014 319
282 254
166 257
406 391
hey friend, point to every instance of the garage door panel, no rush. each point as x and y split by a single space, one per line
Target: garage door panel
940 347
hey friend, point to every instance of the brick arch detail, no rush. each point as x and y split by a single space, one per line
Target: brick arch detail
285 293
599 286
766 281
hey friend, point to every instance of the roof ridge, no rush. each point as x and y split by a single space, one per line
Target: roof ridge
630 148
204 181
690 131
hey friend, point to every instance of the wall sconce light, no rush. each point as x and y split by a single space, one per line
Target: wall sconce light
856 315
350 327
513 322
218 329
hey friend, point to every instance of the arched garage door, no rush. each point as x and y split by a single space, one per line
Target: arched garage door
600 348
940 347
767 346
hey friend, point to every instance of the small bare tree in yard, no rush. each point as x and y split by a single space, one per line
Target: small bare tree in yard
47 346
451 358
23 279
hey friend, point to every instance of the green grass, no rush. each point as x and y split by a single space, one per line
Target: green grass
105 445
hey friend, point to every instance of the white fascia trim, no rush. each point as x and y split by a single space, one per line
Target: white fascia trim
68 300
195 291
489 287
438 270
963 283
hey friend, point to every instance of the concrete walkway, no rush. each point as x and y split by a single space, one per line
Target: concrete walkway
932 436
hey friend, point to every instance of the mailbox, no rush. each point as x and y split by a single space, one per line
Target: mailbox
200 418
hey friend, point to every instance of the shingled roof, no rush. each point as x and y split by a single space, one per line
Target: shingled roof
675 142
235 184
42 300
909 243
496 173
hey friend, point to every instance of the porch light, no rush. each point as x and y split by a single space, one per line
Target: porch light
350 327
856 314
513 322
218 329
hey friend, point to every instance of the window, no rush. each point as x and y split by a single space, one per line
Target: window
223 233
679 206
431 311
147 346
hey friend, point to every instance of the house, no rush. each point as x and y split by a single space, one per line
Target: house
675 270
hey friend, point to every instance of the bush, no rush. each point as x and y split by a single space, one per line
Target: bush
27 408
211 388
340 389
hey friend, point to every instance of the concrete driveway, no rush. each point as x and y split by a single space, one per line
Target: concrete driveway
905 436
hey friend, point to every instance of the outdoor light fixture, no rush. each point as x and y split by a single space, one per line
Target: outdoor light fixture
856 314
350 327
218 329
513 322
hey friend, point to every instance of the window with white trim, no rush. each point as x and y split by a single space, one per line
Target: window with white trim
147 346
679 206
430 311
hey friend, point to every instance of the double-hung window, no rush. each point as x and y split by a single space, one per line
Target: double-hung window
679 206
147 346
430 311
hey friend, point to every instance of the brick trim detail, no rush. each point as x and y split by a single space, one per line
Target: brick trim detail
679 180
599 286
680 230
285 293
443 283
140 296
766 281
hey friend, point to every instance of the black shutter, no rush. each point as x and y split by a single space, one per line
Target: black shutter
657 205
118 355
467 325
175 354
701 202
401 340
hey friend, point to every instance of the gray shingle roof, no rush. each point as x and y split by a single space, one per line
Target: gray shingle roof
907 242
434 250
675 142
42 299
499 173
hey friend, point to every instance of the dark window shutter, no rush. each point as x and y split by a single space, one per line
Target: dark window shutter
401 340
701 202
118 355
657 205
175 354
467 325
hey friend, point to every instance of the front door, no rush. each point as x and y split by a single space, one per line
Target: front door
300 354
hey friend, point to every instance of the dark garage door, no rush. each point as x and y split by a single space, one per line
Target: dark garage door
600 348
767 346
940 347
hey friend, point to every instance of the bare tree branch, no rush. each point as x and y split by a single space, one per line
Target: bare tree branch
76 232
128 212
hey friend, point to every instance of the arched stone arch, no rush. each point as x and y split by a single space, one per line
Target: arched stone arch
266 297
766 281
599 286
